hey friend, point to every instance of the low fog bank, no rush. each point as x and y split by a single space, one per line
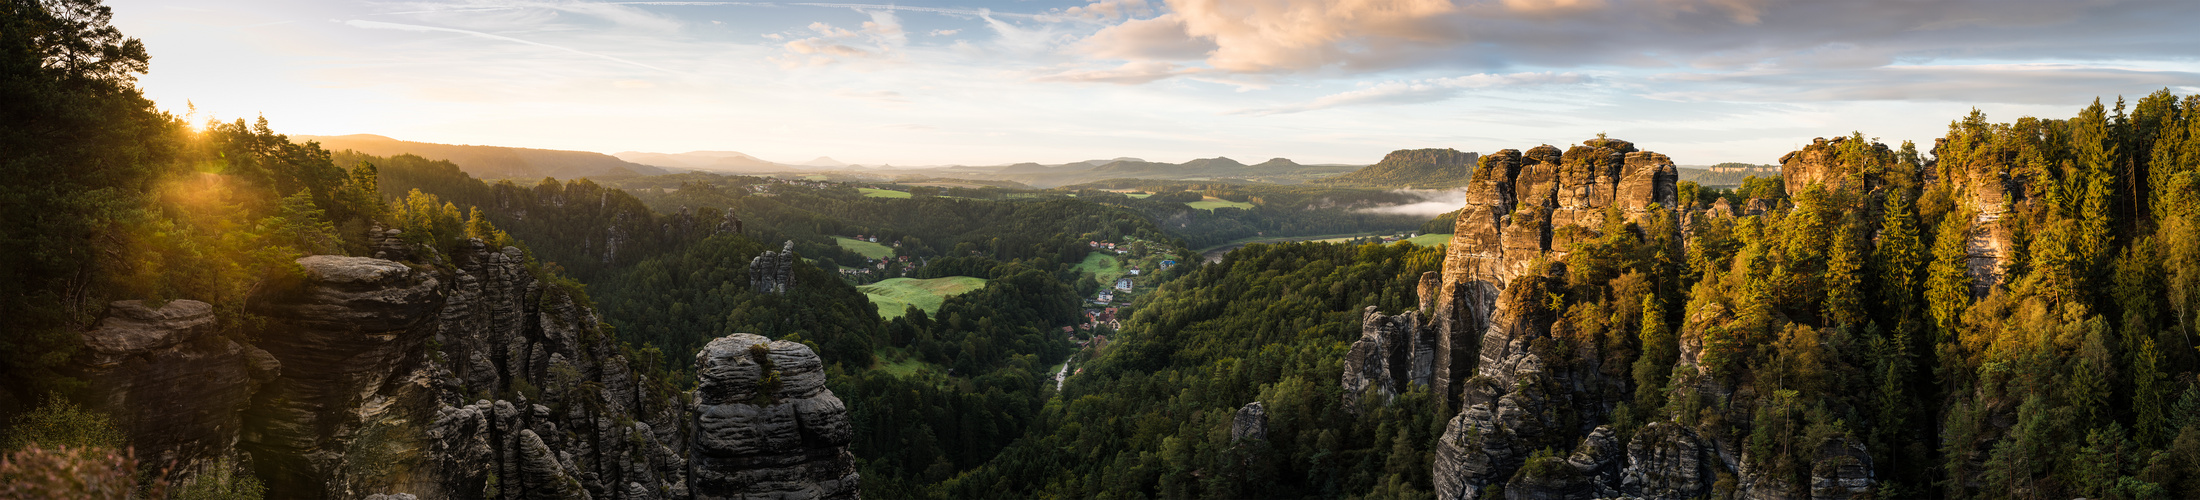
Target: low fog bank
1433 202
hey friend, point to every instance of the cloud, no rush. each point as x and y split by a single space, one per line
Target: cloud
824 46
944 32
2049 84
1420 91
1160 38
1259 36
1326 38
1108 10
882 36
417 28
1130 73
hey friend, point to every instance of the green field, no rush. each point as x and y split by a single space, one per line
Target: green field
1104 268
1430 240
900 369
865 248
894 296
883 193
1212 203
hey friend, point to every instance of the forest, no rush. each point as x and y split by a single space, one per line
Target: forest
2010 312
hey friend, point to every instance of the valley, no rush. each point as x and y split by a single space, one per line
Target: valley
216 309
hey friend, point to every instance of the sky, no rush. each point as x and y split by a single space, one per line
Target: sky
981 82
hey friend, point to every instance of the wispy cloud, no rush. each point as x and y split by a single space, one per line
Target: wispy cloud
1130 73
1420 91
1972 83
356 23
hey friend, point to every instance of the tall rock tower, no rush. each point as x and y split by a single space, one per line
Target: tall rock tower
773 272
1524 207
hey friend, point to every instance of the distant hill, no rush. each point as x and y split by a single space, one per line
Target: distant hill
493 162
1273 171
715 161
824 161
1727 175
1421 168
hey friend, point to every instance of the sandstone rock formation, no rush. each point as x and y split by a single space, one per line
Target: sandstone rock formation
341 331
1525 207
1518 388
1821 163
1251 422
773 272
1666 460
1843 472
381 358
451 375
177 389
1392 351
766 427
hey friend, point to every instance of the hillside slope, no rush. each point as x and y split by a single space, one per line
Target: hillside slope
1420 168
492 162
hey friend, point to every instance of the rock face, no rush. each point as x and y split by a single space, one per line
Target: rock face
1665 460
380 359
766 427
1251 422
1522 207
177 388
1392 351
773 272
341 332
1843 472
1491 326
1518 387
1821 163
461 376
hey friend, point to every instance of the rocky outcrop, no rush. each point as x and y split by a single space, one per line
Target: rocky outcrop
1843 471
1527 206
766 427
1823 162
773 272
1251 422
1514 404
381 359
1666 460
1523 208
342 331
177 388
1392 351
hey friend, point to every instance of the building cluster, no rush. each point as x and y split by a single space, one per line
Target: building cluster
1095 318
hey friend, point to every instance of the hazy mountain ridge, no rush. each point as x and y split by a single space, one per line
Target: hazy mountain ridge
1423 168
492 162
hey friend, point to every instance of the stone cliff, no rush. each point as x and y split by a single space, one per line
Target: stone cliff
766 427
773 272
1519 383
464 377
1526 207
185 386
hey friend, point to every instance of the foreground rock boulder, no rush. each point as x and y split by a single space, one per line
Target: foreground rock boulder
178 389
766 427
465 379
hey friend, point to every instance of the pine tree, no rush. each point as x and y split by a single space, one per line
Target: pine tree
1948 281
1844 276
2149 392
1660 350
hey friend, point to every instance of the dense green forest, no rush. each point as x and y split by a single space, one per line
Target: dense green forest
1277 210
1271 323
2012 313
1855 311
